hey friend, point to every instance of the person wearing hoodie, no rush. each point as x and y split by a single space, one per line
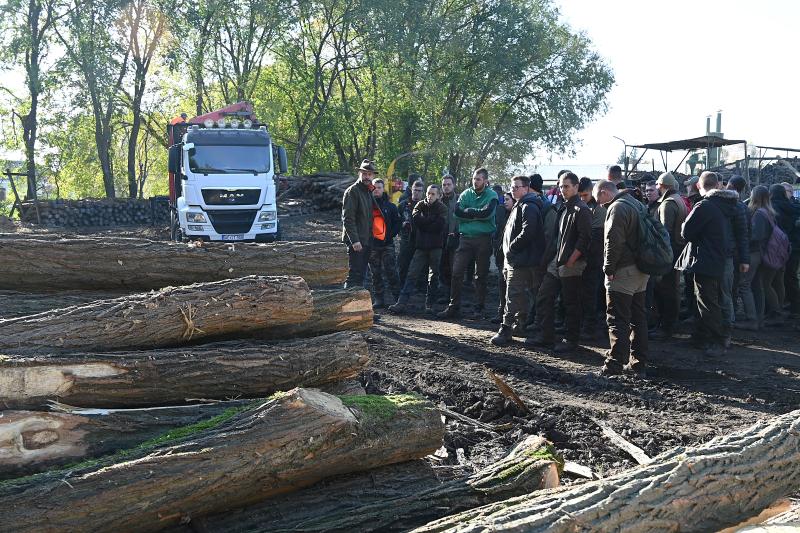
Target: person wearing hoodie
430 223
712 235
523 247
382 259
787 214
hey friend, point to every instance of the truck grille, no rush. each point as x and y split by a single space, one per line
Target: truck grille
231 197
228 222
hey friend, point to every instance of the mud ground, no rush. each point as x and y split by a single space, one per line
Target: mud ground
687 398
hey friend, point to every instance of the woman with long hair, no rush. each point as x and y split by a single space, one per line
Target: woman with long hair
761 277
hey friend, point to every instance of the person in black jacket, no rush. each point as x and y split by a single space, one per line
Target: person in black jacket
523 247
713 230
406 208
430 224
787 216
382 259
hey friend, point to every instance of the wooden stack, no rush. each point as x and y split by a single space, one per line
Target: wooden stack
304 194
167 393
97 212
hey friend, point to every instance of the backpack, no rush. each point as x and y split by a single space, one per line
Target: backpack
776 252
654 255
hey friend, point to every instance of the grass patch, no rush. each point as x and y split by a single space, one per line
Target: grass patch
384 407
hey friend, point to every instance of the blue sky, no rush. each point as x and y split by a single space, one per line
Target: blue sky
677 62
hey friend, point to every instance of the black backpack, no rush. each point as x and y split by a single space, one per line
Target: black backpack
654 255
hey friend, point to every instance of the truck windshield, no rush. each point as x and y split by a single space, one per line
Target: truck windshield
229 159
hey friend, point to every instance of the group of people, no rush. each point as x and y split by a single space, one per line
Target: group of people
575 252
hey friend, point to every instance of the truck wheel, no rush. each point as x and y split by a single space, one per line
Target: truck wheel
175 232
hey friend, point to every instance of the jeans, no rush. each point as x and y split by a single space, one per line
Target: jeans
570 287
476 250
424 262
357 267
383 264
750 290
626 317
592 280
726 296
407 245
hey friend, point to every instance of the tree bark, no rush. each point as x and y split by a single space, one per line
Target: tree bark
334 310
35 441
171 377
168 317
706 488
396 498
15 303
89 263
279 446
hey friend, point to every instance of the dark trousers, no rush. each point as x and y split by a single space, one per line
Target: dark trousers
708 292
591 279
518 282
626 317
357 262
571 288
499 262
667 298
383 266
405 255
791 280
446 263
425 263
476 250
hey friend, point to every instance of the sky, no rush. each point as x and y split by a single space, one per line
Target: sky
679 61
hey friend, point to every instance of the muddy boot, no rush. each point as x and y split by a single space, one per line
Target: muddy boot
538 341
503 336
398 309
449 312
519 330
566 346
379 303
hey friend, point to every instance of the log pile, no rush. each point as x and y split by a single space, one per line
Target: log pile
98 212
304 194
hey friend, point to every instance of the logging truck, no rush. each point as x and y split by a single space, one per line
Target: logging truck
222 168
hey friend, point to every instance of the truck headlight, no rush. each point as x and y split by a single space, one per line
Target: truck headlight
196 217
266 216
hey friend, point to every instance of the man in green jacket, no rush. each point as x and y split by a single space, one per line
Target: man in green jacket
475 214
357 217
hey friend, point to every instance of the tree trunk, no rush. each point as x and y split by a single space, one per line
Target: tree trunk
281 445
706 488
395 498
168 317
14 303
91 264
171 377
334 310
35 441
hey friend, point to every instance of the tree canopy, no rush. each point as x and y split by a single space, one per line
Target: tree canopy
435 84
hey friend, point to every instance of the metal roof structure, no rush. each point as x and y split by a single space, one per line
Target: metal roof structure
697 143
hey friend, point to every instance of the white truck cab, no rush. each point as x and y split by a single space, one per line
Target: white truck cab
223 181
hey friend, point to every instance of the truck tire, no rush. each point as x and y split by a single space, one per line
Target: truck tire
175 233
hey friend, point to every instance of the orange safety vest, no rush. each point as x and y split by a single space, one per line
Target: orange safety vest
177 120
378 224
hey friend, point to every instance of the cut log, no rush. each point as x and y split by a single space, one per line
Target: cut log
334 310
14 303
34 441
706 488
168 317
279 446
386 502
215 371
92 263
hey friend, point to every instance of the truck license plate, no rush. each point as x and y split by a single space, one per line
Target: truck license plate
233 237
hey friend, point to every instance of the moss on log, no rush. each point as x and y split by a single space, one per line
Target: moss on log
294 440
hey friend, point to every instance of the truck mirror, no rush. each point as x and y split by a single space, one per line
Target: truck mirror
283 160
174 162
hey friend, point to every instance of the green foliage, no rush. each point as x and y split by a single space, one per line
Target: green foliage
444 83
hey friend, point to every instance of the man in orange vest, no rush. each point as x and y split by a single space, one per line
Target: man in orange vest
179 119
